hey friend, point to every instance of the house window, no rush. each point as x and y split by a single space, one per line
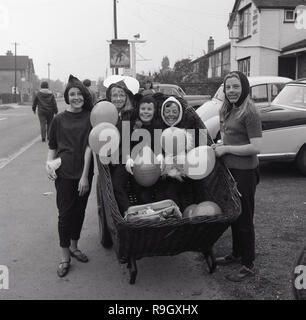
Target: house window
245 23
244 66
289 16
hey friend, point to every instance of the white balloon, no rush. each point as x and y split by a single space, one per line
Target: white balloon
200 162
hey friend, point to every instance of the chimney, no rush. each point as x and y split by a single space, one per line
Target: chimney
211 44
9 53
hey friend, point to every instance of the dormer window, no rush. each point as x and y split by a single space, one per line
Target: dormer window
289 16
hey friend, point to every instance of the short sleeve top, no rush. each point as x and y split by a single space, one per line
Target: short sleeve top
68 135
238 131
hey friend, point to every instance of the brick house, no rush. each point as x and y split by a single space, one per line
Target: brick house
24 75
265 37
216 63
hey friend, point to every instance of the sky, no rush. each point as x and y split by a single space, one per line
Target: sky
73 35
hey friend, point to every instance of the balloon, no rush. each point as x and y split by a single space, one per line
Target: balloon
173 140
206 208
104 111
146 169
188 212
200 162
104 140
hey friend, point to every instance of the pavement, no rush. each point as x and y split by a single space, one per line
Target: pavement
6 106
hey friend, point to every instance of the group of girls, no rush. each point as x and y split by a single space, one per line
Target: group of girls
69 131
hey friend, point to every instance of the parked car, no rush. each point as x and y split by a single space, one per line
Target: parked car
284 126
263 90
194 101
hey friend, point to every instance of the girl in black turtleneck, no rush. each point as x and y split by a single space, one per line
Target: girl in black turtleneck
241 135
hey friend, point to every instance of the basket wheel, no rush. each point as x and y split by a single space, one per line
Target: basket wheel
104 234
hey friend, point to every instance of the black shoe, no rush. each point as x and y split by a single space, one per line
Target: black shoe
242 274
43 139
228 259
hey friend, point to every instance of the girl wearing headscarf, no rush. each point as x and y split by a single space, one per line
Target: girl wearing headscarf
241 134
174 112
70 164
119 94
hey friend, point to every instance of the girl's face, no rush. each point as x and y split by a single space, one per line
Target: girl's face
233 89
76 99
118 97
146 112
171 113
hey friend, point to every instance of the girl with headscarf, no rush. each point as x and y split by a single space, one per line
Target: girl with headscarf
70 165
119 94
174 112
241 134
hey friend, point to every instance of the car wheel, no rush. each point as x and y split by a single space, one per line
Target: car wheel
301 160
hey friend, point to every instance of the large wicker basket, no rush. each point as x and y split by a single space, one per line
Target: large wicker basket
137 239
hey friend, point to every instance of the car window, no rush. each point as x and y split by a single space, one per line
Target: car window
219 94
259 93
292 95
275 89
181 92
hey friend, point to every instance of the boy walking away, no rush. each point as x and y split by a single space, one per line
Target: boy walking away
47 108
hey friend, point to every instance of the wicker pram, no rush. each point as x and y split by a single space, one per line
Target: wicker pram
134 240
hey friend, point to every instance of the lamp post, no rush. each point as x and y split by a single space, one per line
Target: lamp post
15 69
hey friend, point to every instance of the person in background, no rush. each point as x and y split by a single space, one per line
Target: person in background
241 134
148 90
87 83
70 165
47 108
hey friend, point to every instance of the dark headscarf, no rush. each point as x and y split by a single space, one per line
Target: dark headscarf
74 82
244 84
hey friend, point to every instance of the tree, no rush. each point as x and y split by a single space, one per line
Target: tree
182 68
165 64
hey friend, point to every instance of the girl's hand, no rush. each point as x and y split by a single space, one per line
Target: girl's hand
83 187
220 150
129 165
50 171
160 159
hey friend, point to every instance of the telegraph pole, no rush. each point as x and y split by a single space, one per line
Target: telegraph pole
115 26
15 69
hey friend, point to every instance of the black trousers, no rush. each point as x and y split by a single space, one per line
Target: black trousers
45 119
120 178
71 209
243 228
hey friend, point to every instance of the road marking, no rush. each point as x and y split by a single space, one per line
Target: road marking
5 161
2 119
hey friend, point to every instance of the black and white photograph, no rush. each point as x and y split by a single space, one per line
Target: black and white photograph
152 153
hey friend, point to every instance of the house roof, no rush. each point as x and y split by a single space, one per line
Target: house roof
221 48
262 4
8 63
294 46
278 3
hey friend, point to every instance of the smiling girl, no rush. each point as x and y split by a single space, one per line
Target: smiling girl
241 135
68 144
